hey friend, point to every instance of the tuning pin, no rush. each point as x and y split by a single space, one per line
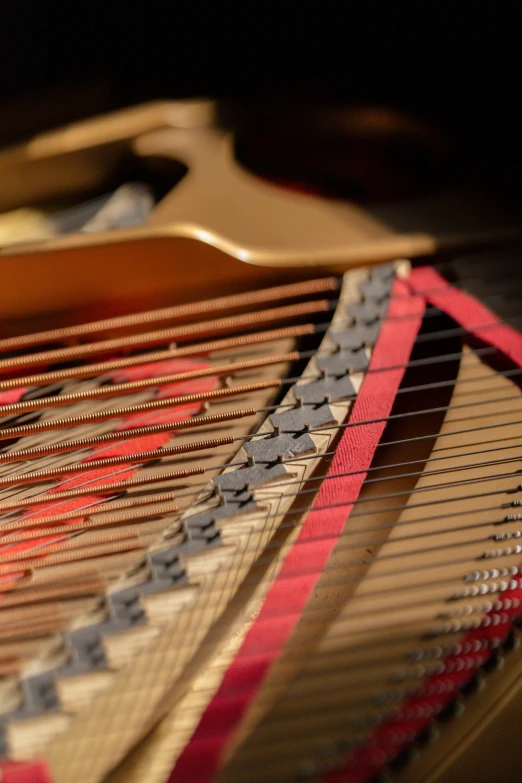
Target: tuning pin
428 735
494 662
451 710
474 685
403 758
511 642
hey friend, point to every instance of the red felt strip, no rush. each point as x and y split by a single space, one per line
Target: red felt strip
24 772
291 590
467 311
105 475
13 395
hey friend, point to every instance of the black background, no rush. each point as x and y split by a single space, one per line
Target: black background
458 65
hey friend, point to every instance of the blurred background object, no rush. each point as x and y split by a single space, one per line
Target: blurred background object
439 61
410 115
